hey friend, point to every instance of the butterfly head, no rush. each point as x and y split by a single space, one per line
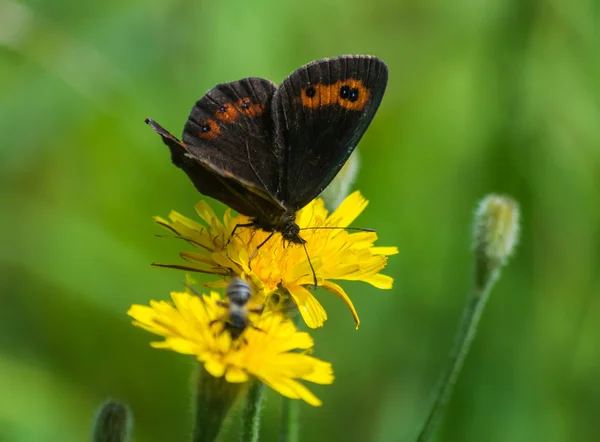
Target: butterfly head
290 231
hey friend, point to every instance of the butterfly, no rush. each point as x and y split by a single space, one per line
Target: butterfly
265 150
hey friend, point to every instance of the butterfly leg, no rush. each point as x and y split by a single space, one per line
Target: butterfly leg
252 224
258 247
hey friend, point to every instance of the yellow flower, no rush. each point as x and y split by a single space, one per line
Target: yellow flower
267 350
336 254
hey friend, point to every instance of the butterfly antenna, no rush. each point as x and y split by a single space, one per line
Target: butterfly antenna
312 269
357 229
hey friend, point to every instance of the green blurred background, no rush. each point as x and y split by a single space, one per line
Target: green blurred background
482 97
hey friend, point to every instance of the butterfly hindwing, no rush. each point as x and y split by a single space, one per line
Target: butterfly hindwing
320 113
209 182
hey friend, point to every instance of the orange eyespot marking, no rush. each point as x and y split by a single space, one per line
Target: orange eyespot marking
209 129
227 113
350 94
353 95
318 95
248 108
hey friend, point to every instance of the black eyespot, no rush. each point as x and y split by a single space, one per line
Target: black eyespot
245 104
205 128
310 92
344 92
353 95
222 108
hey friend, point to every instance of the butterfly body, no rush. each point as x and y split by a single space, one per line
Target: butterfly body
284 224
267 151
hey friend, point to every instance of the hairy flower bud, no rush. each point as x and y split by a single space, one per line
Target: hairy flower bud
496 233
113 423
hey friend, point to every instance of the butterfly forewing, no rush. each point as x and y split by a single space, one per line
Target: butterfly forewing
230 133
231 129
320 113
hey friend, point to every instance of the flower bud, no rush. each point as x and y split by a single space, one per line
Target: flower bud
113 423
496 233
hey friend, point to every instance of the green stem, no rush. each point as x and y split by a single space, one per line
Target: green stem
252 412
214 398
289 421
464 338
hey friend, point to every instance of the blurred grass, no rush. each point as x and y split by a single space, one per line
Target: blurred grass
482 97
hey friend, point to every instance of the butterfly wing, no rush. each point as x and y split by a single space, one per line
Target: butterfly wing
231 129
227 148
321 111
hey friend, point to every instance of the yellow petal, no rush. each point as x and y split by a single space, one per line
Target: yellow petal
214 367
311 310
384 250
349 209
380 281
197 257
220 284
141 313
236 375
293 389
205 211
299 340
314 213
185 225
322 372
181 345
339 292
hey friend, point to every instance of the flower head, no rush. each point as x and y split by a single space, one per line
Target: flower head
266 350
335 254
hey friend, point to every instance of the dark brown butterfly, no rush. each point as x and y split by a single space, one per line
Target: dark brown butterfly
267 151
